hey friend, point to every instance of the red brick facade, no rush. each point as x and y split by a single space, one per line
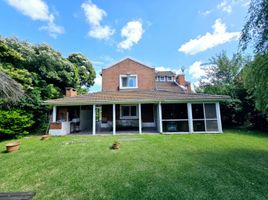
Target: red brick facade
111 75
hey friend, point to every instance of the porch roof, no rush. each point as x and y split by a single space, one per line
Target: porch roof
135 97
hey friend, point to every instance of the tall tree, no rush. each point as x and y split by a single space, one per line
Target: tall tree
255 30
256 81
85 69
222 76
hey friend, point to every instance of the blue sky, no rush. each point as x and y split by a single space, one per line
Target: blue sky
163 34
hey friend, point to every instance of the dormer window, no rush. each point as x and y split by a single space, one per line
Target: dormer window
161 78
128 81
169 78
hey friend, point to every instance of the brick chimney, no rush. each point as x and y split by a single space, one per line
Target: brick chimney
70 92
180 79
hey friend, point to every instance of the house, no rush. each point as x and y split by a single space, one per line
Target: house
135 98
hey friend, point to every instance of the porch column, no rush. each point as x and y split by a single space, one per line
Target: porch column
54 114
190 118
94 120
160 117
114 120
140 121
218 111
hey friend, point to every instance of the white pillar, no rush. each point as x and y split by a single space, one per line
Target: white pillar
160 117
218 111
114 119
190 118
54 114
94 120
140 120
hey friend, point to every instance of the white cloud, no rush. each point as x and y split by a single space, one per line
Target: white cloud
162 68
205 13
94 16
225 6
38 10
209 40
132 32
98 80
196 70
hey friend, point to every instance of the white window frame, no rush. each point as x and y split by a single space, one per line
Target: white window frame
162 78
169 78
205 119
120 81
129 117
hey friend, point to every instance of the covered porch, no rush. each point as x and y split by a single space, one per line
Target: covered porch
136 118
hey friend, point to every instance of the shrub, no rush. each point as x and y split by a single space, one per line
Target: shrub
14 123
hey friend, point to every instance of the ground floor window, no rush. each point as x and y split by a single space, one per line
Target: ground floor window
128 111
204 117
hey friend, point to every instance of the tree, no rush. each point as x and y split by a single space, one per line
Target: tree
256 81
85 69
221 72
255 29
43 73
222 77
10 90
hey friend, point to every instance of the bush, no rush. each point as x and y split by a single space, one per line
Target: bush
14 123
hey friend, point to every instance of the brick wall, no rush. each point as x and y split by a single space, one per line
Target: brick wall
110 76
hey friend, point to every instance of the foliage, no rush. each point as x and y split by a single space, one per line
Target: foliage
256 27
256 80
14 122
226 77
43 73
85 69
10 90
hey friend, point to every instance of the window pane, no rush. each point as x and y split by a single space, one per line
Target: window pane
199 125
170 126
124 81
197 110
125 111
212 125
133 110
131 81
174 111
210 111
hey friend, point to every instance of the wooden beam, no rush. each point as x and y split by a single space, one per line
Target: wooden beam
54 114
94 120
114 119
190 118
160 117
140 120
218 111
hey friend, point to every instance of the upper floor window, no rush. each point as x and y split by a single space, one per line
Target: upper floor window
169 78
128 81
161 78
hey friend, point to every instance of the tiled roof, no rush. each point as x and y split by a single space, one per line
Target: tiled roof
134 97
165 73
168 86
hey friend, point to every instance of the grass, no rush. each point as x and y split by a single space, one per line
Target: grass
233 165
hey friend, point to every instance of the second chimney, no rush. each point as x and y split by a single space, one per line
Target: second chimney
70 92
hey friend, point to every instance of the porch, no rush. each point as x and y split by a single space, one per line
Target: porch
136 118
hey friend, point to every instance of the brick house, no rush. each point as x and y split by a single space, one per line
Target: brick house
136 98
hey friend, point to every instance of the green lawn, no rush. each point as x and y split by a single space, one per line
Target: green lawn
233 165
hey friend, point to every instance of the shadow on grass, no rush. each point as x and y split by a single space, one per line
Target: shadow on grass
244 131
235 174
